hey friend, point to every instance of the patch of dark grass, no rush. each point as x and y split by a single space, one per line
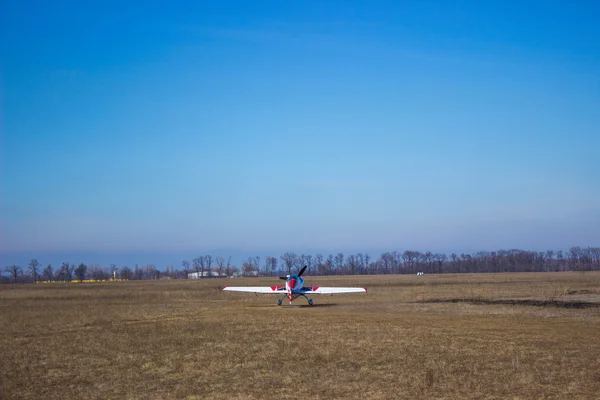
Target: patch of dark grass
518 302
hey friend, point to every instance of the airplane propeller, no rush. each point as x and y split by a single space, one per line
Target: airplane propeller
285 278
302 271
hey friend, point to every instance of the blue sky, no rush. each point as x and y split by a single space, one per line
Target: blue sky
266 126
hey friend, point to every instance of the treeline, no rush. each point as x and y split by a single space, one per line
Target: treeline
411 262
35 272
407 262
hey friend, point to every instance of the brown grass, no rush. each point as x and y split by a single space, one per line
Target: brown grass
443 337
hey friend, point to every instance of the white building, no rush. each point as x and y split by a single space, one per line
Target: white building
206 274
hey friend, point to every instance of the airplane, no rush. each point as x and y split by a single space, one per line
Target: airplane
294 288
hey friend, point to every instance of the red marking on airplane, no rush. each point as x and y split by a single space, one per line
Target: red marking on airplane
315 288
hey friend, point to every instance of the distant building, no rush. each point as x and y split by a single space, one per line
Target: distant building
207 274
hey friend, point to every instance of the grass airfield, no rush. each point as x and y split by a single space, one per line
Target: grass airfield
480 336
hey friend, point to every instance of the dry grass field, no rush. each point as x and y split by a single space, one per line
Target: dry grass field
484 336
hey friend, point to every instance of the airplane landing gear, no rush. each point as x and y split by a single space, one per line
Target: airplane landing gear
310 302
278 302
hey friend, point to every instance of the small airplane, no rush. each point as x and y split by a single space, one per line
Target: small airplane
294 288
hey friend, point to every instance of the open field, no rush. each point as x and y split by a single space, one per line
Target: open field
480 336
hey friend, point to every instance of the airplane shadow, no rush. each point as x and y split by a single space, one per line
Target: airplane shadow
313 306
294 305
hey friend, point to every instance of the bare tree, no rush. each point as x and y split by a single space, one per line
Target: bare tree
228 268
360 259
289 259
113 271
34 267
202 266
274 264
256 262
339 263
209 260
220 262
198 263
352 263
410 258
14 271
126 273
440 259
67 271
80 271
596 258
267 270
386 261
309 263
48 273
318 263
329 265
301 261
186 268
549 261
249 268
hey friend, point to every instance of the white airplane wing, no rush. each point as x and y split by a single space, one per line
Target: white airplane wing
332 290
256 289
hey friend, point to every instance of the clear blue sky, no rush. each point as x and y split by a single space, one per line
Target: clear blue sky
279 125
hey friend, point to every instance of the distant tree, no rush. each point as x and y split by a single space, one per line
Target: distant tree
248 267
309 263
289 259
96 272
318 264
329 265
256 262
367 262
186 268
301 262
560 261
209 261
126 273
339 263
440 259
360 260
34 267
198 262
113 271
549 261
386 261
228 269
138 273
201 261
596 258
274 261
14 271
410 258
220 262
351 264
151 272
48 273
58 275
80 271
267 266
67 272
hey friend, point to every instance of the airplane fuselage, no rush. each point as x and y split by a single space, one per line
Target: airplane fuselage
292 285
